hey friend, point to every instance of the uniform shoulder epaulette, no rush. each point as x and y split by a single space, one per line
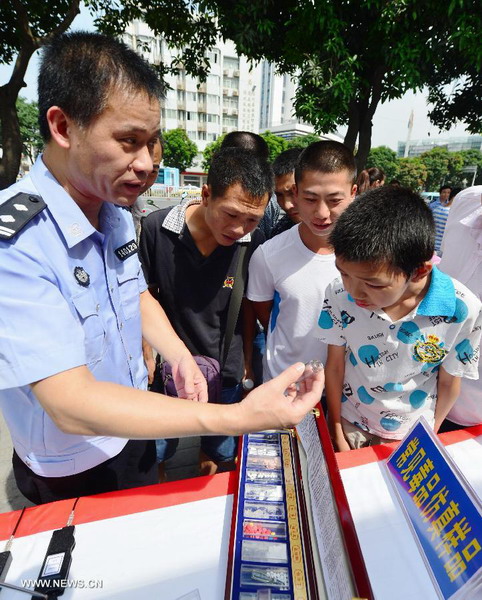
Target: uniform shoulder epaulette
17 211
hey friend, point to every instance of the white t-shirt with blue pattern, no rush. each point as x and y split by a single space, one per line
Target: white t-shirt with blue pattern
391 366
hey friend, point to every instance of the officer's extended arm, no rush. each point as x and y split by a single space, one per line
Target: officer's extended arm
79 404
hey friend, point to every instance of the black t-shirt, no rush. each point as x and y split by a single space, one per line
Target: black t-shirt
194 290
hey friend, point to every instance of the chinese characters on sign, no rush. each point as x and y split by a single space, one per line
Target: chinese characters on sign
444 513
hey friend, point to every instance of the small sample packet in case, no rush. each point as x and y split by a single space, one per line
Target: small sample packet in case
264 552
272 463
264 450
257 510
263 594
267 493
262 476
264 530
277 577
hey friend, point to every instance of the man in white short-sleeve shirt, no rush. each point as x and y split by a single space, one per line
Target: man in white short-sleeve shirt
288 274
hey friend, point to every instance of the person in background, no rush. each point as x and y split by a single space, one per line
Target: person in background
138 210
401 333
369 179
284 188
444 194
440 210
462 258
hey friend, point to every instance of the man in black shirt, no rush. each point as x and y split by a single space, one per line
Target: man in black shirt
190 254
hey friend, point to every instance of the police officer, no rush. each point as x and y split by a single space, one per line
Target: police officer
74 301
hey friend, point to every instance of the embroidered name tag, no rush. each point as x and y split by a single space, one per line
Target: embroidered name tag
126 250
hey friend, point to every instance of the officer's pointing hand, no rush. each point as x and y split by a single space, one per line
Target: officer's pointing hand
277 404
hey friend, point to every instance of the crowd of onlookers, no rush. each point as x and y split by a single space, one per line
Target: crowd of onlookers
330 261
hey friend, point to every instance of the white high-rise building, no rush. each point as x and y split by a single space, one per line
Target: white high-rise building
227 101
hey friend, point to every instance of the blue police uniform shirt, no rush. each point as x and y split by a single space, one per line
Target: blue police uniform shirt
70 297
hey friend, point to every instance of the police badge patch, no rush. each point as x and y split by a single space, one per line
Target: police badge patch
81 276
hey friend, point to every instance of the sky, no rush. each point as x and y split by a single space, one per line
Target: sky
390 123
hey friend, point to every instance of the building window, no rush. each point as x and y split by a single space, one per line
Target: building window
213 80
230 62
213 99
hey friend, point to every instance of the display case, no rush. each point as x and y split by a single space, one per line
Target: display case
293 536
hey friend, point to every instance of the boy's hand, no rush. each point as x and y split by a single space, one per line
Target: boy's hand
277 404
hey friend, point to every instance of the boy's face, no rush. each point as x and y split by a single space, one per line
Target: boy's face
232 215
321 198
374 286
284 187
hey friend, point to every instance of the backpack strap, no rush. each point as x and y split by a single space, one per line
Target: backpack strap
235 300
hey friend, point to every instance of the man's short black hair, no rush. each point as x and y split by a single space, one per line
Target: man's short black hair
235 165
285 162
387 225
79 69
444 187
246 140
326 156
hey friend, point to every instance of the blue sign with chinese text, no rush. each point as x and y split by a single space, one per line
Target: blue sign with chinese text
445 515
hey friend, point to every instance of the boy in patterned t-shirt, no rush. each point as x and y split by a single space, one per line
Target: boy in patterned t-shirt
401 333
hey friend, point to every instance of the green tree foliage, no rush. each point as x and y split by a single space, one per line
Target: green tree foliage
371 52
209 151
412 173
303 140
384 158
179 150
276 144
25 27
436 162
32 142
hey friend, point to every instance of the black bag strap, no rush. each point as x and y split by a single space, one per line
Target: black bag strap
235 300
